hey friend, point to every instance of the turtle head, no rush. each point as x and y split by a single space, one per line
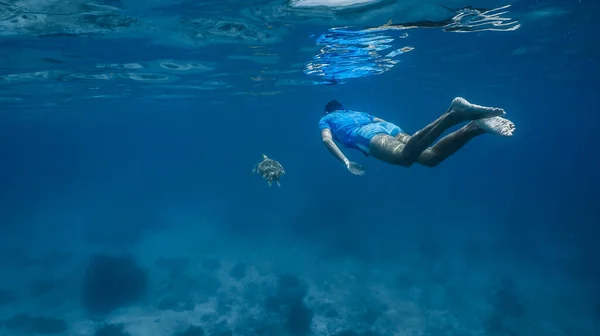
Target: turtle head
264 157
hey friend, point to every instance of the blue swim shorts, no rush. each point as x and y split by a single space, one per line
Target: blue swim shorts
365 133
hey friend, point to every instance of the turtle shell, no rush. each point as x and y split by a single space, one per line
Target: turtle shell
269 169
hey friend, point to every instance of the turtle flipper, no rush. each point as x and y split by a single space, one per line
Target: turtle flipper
278 184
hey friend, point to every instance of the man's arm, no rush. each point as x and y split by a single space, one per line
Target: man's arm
332 147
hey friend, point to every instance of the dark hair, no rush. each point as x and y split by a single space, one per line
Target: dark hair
333 105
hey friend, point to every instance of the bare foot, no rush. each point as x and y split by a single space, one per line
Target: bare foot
472 111
496 125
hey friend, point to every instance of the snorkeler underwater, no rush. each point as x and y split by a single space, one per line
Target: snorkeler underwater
387 142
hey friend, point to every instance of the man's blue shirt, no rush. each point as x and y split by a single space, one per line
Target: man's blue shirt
344 124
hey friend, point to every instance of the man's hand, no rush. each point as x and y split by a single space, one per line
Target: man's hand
355 168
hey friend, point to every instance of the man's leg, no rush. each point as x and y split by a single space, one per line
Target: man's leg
451 143
395 151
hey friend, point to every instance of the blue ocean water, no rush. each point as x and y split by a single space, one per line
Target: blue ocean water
129 130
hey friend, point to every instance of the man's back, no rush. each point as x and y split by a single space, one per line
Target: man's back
343 124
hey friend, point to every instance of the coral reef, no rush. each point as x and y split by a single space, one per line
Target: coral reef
37 325
288 303
111 283
109 329
7 297
191 331
238 271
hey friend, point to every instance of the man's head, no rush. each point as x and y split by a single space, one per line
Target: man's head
332 106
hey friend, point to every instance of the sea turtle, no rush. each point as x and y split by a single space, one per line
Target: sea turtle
269 169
